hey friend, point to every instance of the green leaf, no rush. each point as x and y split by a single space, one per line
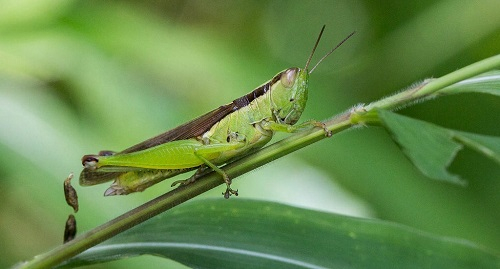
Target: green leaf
432 148
250 234
428 146
488 82
486 145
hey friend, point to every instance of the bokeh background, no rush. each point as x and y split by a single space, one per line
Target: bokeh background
77 77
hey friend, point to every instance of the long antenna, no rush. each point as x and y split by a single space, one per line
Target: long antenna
314 49
328 54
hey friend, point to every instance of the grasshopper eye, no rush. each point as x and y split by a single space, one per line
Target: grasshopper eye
288 77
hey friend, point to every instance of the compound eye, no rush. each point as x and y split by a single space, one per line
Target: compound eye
288 77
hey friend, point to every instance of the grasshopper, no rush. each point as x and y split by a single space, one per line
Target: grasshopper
218 137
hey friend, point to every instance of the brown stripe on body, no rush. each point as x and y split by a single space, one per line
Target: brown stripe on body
245 100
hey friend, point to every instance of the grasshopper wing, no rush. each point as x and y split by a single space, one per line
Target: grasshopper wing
188 130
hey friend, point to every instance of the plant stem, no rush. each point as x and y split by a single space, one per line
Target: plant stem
348 119
413 94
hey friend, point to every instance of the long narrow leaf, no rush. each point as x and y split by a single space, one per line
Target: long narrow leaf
488 82
251 234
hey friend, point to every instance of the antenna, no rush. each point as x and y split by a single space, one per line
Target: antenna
328 54
314 49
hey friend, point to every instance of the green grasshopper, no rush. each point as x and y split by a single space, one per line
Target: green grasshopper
218 137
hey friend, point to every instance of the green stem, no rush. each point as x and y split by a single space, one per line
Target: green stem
427 89
355 116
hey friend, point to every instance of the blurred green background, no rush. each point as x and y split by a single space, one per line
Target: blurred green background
77 77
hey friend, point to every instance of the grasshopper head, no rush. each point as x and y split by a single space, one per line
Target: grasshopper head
289 95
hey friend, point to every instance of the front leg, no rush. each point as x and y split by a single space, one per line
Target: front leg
287 128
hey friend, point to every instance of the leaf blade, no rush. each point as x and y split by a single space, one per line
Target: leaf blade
432 148
488 82
428 146
251 234
486 145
